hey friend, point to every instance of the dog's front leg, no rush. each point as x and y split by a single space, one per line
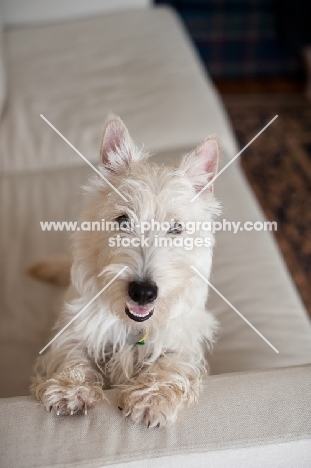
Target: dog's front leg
66 382
157 394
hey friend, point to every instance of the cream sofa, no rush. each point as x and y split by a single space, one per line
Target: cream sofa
255 410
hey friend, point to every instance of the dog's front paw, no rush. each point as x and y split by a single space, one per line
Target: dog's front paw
73 399
154 408
68 398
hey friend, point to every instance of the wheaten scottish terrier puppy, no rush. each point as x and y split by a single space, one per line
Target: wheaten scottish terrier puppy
148 332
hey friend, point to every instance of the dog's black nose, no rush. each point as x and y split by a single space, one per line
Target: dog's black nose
143 292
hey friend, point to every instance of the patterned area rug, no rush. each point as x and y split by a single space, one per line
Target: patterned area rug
278 166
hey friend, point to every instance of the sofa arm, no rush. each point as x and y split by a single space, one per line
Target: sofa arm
235 411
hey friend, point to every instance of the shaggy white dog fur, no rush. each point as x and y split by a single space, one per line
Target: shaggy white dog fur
148 332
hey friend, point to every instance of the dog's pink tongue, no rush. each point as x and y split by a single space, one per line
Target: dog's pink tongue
139 310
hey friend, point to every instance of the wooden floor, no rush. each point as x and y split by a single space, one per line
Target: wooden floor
260 85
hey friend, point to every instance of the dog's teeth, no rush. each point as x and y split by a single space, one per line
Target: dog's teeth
140 315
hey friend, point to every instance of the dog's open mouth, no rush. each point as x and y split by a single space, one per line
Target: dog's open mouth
138 313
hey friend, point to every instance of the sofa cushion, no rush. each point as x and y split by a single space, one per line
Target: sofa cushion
136 64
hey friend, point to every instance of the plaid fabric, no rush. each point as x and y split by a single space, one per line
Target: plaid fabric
236 38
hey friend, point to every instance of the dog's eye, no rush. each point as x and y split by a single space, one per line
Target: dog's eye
124 222
176 228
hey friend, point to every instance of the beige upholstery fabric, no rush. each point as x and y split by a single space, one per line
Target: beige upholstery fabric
135 64
236 410
294 453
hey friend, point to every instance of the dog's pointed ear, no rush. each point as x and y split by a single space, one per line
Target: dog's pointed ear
201 166
117 145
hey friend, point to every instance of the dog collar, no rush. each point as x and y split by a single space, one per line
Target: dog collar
138 338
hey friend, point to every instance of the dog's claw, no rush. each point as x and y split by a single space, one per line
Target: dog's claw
158 425
71 412
57 412
85 409
50 408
